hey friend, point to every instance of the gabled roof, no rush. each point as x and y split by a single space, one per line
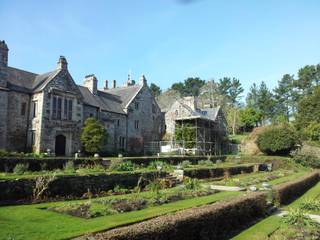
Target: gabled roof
104 101
126 93
25 81
205 113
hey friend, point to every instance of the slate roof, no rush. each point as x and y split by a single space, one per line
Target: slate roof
20 80
204 113
126 93
103 100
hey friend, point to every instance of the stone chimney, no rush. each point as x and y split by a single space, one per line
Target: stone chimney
114 83
143 80
3 54
62 63
191 102
106 85
91 82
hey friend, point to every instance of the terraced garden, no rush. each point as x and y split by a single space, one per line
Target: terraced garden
147 198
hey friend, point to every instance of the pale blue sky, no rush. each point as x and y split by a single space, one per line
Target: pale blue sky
167 40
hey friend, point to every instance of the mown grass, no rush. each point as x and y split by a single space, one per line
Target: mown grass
266 227
32 222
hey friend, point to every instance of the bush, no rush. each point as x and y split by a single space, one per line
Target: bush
312 131
20 168
186 163
205 162
163 165
69 166
123 166
277 140
307 160
191 183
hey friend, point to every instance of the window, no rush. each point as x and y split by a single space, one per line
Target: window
136 105
54 108
136 124
177 113
118 122
91 115
32 138
34 109
70 110
65 110
122 142
59 108
23 109
153 108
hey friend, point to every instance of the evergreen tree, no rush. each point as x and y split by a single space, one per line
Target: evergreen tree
284 96
156 91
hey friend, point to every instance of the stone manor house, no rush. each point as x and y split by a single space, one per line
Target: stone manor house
47 111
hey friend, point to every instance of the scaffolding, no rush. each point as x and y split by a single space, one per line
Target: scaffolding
209 139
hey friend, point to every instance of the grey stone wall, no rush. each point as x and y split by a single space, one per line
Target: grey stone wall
150 126
3 118
17 121
63 86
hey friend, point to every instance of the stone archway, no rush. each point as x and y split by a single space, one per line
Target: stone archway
60 145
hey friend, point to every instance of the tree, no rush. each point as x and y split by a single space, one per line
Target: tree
156 91
308 110
93 135
190 87
265 102
252 97
308 77
284 96
249 118
230 88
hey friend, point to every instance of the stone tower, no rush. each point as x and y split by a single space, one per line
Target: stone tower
3 54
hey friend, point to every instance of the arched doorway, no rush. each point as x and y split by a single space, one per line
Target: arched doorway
60 146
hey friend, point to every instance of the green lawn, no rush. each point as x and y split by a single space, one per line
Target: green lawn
269 225
31 222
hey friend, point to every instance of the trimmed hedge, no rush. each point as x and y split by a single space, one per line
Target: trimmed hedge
202 173
287 192
7 164
69 187
215 221
20 190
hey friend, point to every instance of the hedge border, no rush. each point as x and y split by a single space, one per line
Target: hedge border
7 164
17 191
287 192
214 221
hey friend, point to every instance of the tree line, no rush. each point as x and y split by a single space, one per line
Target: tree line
295 99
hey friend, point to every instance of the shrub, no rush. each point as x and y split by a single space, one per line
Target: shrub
69 166
312 131
93 135
191 183
119 165
163 165
307 160
205 162
310 205
3 153
277 140
20 168
186 163
298 217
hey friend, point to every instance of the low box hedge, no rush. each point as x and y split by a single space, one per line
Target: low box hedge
287 192
215 221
